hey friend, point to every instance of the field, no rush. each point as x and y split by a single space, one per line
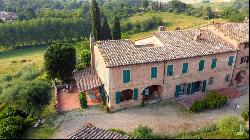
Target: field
171 21
15 60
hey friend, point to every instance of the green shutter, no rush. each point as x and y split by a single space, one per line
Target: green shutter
192 88
189 89
170 70
154 72
231 60
118 97
184 68
177 88
214 63
126 76
204 85
201 65
135 93
143 92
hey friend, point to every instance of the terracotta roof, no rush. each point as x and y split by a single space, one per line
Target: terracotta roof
87 79
237 31
176 45
91 132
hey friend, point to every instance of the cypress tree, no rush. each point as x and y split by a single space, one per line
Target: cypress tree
106 32
116 29
96 21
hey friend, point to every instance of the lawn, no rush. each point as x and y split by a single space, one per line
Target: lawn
15 60
171 20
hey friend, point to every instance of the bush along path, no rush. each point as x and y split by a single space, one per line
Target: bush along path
210 101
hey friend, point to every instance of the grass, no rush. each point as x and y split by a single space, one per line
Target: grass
15 60
171 20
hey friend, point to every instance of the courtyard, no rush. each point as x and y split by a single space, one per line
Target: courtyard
163 117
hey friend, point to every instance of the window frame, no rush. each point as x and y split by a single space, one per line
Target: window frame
156 72
203 65
172 70
210 81
233 61
183 67
129 76
215 62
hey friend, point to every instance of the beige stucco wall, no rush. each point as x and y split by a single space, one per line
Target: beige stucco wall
244 66
140 78
100 67
222 69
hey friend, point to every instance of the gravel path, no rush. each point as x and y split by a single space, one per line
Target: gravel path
164 117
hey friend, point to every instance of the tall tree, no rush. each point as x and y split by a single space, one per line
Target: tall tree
116 29
60 61
96 21
106 32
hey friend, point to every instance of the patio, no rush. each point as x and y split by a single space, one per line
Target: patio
187 100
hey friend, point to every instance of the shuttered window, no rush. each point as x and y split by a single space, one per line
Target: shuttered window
230 60
201 65
126 76
170 70
135 93
184 68
204 86
214 63
153 72
189 89
117 97
177 88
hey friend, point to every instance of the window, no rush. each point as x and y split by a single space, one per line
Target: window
181 89
214 63
153 72
126 76
170 70
123 96
244 59
184 68
201 65
230 60
210 81
227 78
246 45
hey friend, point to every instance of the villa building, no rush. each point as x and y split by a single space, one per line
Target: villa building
7 16
169 64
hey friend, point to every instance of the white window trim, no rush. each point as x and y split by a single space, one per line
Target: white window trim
233 60
187 69
156 73
129 75
166 69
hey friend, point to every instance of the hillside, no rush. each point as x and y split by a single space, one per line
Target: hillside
171 21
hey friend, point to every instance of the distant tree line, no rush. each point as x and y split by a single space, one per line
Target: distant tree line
42 31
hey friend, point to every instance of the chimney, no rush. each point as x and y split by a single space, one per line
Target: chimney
91 42
198 36
161 28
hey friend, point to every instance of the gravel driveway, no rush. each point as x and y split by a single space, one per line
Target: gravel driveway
164 117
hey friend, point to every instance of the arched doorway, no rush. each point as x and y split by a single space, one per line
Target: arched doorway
240 76
152 92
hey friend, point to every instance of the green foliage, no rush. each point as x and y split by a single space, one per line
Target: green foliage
83 100
105 108
96 21
106 32
229 125
198 106
142 132
42 31
34 96
210 101
12 127
118 131
116 29
245 113
12 111
60 61
84 58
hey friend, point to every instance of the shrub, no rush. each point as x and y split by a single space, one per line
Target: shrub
118 131
12 111
12 127
210 101
214 100
229 125
105 108
83 100
142 132
198 106
6 78
245 113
